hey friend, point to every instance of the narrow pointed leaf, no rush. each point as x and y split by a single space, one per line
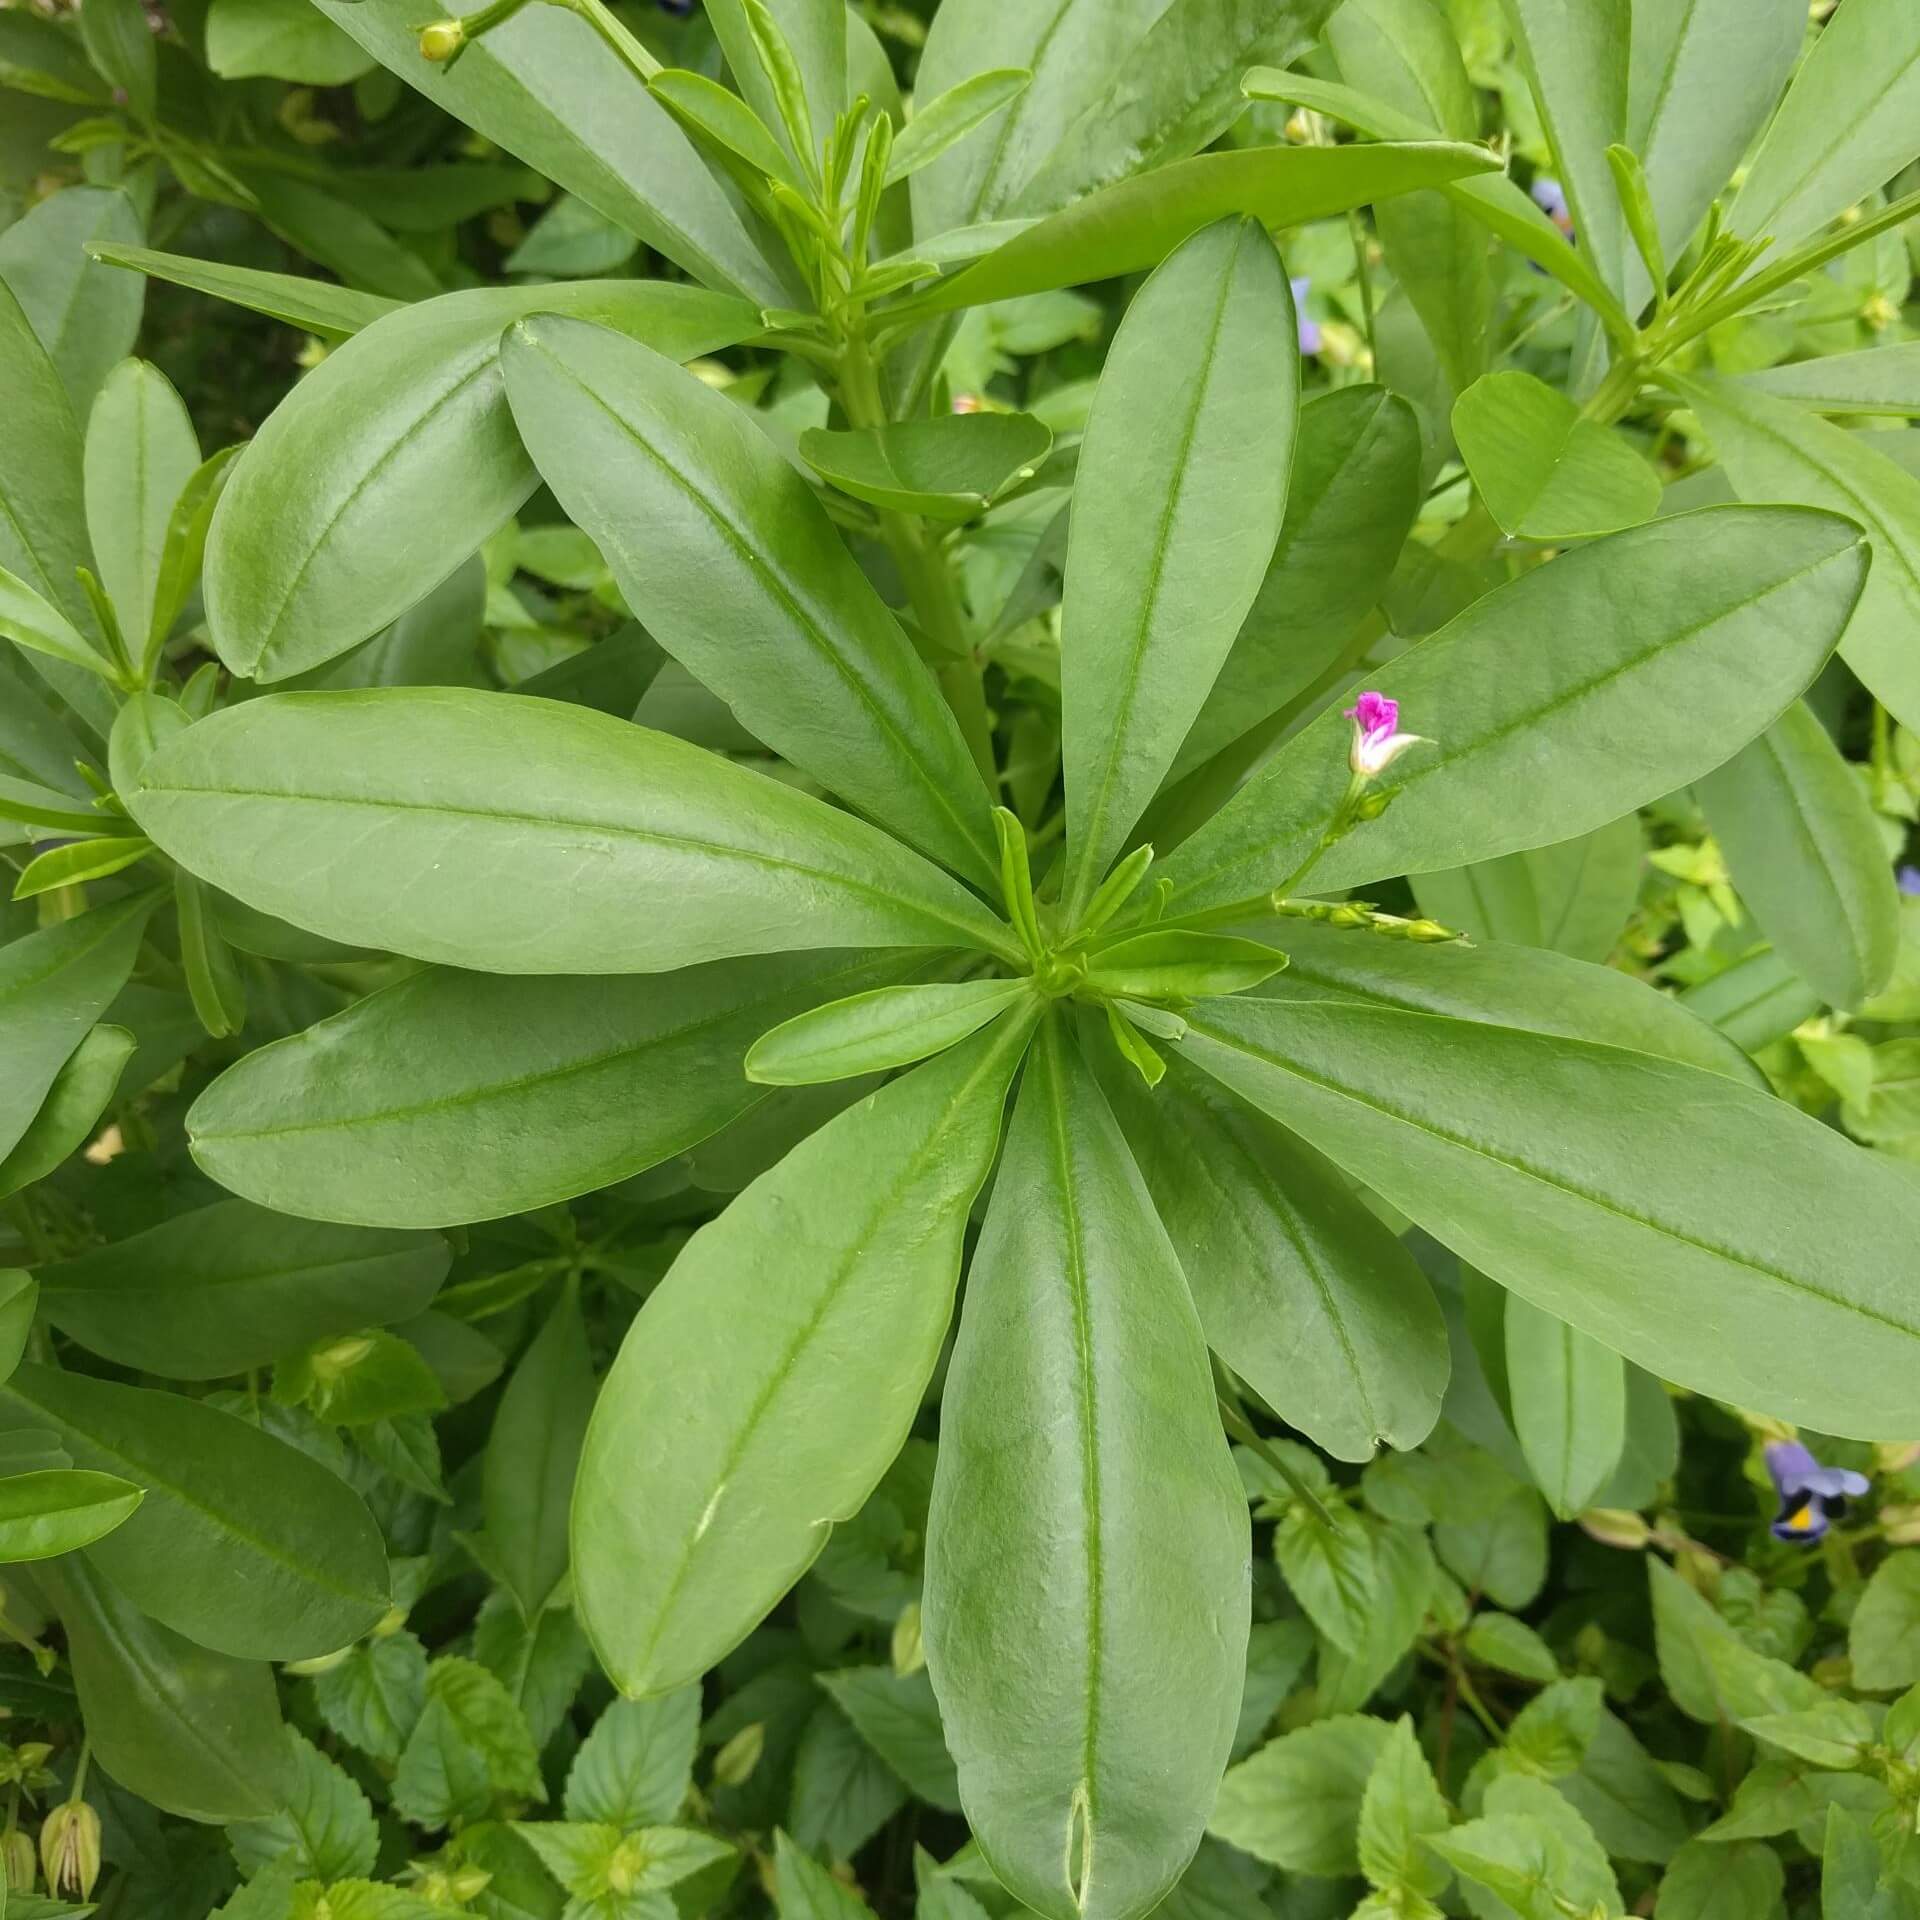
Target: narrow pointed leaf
724 555
1654 1207
528 836
951 116
1178 501
452 1096
1660 670
244 1543
771 1377
874 1032
317 306
1877 380
1086 1609
394 460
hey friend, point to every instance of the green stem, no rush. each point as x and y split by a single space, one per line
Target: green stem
1617 392
925 574
1233 1416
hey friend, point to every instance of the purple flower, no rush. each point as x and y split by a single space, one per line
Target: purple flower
1551 198
1907 879
1309 329
1377 742
1810 1495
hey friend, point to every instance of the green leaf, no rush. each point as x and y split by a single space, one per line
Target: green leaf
1353 496
1508 1645
86 316
78 863
843 1792
226 1287
1080 1364
1328 1566
899 1718
373 1698
1402 1803
1623 1795
1849 123
1775 450
1550 1735
1544 471
557 97
872 1032
1404 1582
1297 1802
60 1510
534 837
1569 1405
469 1750
1576 61
54 985
1835 1734
1804 848
301 300
1706 1881
951 116
722 116
196 1733
286 40
1178 501
451 1096
182 550
1883 1639
1533 1852
1877 380
140 452
34 623
947 469
1175 965
71 1109
1509 1146
634 1768
722 552
1646 642
1136 223
805 1890
541 1659
1301 1290
394 460
577 1856
789 58
1712 1674
243 1542
1854 1884
1703 80
532 1454
325 1826
742 1418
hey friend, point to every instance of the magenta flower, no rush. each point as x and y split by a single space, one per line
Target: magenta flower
1309 329
1810 1495
1377 741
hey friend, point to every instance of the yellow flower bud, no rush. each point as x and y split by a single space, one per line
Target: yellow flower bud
70 1849
441 41
736 1761
16 1851
1615 1527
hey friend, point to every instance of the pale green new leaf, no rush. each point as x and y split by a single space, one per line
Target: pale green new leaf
873 1032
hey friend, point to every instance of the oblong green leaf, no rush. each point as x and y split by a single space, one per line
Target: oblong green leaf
140 452
725 118
1136 223
71 1109
1716 1236
85 316
1774 450
243 1543
774 1372
1087 1549
1660 669
1543 471
946 469
951 116
19 1302
451 1097
394 460
1350 505
1849 123
1301 1289
1804 848
301 300
1569 1396
723 554
873 1032
1178 501
195 1732
80 861
60 1510
552 93
223 1288
1167 964
37 626
54 984
528 836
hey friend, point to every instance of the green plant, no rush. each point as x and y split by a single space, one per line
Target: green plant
1023 813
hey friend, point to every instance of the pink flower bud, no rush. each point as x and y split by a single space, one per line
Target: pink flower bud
1377 743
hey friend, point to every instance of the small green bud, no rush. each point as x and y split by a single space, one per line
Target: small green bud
735 1762
441 41
1347 917
16 1850
909 1653
70 1849
1429 930
1373 803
